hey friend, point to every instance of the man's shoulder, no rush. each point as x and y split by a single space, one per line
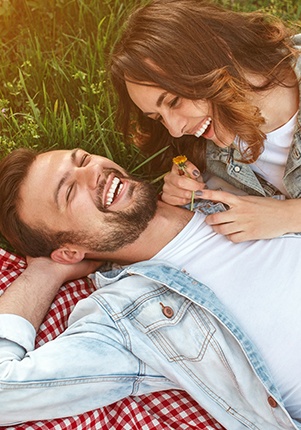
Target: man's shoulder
152 268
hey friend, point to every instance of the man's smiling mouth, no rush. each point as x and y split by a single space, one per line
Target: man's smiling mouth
114 191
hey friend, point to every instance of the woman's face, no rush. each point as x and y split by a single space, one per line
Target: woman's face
180 116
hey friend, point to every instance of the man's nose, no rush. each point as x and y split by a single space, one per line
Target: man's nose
88 175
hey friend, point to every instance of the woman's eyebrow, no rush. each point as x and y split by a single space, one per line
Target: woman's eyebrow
161 99
158 102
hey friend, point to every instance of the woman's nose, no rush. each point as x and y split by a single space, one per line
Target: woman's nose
175 124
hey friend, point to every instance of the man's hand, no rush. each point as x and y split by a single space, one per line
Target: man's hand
177 190
61 272
31 294
251 217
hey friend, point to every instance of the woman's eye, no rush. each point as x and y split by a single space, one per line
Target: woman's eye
174 102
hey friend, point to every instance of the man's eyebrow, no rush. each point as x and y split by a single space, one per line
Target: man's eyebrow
158 102
64 178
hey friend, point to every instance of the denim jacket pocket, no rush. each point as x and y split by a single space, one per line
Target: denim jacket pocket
167 319
189 339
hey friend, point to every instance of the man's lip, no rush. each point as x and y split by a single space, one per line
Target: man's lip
107 189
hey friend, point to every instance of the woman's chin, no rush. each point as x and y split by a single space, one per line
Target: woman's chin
210 135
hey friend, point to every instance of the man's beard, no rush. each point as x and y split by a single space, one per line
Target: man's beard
122 228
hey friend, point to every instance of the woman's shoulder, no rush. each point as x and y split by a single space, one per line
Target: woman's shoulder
297 45
297 40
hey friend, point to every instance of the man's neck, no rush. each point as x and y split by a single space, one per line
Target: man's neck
166 224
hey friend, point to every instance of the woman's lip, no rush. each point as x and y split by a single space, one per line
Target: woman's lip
200 125
209 132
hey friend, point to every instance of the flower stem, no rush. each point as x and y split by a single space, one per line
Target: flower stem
192 201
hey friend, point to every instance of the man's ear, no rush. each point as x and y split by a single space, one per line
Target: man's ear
68 254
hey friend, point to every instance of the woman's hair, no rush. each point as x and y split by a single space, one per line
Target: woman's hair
197 50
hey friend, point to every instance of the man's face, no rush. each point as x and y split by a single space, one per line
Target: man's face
88 195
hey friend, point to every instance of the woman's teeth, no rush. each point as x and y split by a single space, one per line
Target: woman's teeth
112 190
203 128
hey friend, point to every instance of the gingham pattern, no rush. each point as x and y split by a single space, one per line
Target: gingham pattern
159 411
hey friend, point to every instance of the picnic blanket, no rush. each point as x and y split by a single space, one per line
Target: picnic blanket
164 410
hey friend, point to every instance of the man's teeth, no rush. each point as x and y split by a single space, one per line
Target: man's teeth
112 190
203 128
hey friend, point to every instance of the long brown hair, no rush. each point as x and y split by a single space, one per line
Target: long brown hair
200 51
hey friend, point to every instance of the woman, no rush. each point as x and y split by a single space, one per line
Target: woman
222 87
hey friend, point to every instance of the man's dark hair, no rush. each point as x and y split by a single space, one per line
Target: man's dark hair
34 242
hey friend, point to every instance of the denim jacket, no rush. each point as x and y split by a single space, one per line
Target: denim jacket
148 327
223 162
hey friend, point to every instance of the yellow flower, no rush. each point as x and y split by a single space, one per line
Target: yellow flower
180 161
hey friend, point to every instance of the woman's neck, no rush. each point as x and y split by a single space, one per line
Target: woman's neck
278 104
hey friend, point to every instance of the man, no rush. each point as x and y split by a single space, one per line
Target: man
149 326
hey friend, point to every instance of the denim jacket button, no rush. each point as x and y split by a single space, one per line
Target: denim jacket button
167 311
237 169
272 402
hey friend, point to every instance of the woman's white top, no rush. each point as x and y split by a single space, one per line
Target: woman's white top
271 163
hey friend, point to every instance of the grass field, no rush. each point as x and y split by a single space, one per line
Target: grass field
54 87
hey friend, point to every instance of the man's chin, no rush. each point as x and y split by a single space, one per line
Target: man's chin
125 227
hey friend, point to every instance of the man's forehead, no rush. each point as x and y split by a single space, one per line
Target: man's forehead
43 165
57 153
35 192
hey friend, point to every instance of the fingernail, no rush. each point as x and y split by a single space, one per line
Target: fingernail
196 173
199 193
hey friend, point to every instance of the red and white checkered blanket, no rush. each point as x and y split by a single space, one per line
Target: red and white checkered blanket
164 410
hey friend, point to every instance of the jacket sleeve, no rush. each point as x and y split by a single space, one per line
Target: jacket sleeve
85 368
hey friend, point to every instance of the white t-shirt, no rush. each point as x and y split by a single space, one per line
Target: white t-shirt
266 303
271 163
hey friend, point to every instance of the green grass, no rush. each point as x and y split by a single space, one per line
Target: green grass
54 87
54 90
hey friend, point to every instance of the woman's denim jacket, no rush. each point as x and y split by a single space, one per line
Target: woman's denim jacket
148 327
223 162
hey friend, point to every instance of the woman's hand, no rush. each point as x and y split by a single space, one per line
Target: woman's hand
177 189
251 217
